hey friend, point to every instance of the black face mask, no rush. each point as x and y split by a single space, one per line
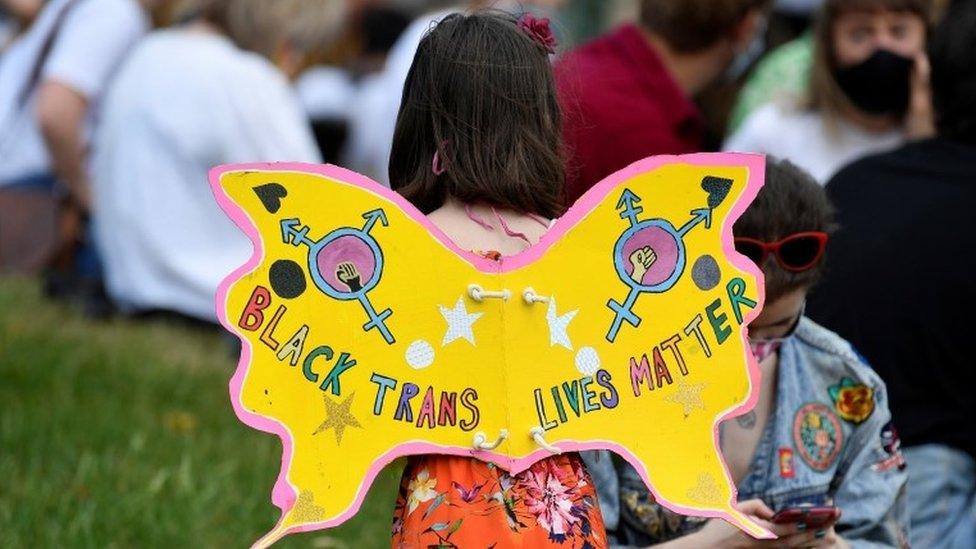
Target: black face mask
879 85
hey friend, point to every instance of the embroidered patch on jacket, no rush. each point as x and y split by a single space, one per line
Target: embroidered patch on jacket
786 469
817 435
853 401
892 446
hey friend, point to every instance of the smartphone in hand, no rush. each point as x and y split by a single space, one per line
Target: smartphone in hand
812 517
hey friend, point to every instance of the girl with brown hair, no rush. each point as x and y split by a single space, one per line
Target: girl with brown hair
477 148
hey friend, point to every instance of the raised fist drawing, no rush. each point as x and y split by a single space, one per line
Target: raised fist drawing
641 260
349 275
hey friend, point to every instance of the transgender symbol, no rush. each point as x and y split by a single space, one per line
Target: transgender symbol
345 264
650 255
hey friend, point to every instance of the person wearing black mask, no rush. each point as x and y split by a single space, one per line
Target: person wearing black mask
869 89
911 319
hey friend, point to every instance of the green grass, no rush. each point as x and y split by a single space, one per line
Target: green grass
120 433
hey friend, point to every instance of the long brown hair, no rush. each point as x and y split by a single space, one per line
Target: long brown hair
481 95
824 94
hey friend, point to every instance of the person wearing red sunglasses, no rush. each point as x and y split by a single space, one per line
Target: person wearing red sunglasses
794 253
819 441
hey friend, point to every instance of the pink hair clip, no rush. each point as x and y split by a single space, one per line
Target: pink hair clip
538 29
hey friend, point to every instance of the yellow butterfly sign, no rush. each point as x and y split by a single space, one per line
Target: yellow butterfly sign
368 335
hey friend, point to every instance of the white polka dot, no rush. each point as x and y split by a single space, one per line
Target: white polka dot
587 361
420 354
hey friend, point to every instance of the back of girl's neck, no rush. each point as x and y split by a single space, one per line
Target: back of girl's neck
479 227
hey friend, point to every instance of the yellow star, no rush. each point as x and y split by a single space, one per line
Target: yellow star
339 417
706 491
688 395
305 509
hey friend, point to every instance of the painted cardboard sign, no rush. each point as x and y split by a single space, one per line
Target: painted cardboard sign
368 335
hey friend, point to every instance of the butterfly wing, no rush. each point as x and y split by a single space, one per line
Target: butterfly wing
360 343
641 346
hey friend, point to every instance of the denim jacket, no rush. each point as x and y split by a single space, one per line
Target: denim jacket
829 440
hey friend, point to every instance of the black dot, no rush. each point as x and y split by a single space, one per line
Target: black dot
706 273
287 279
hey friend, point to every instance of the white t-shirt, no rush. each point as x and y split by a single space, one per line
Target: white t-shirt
94 37
184 102
805 139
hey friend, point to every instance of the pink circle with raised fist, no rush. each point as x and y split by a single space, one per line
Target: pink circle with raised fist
664 245
346 249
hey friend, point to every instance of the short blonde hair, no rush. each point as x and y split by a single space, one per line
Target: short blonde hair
262 26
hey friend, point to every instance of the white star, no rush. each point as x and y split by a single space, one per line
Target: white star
459 322
558 325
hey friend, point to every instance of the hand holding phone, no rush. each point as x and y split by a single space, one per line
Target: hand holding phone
811 516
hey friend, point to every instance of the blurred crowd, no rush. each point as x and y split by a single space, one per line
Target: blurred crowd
113 111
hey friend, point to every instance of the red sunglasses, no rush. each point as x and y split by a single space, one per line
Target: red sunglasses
796 253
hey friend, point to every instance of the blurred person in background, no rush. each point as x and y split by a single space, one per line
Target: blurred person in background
373 117
909 314
212 91
783 74
53 80
629 94
868 90
331 89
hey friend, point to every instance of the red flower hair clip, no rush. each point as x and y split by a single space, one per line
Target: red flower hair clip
538 29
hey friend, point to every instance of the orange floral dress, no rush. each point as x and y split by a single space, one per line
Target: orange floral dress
449 501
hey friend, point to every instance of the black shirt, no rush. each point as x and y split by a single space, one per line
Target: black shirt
901 283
